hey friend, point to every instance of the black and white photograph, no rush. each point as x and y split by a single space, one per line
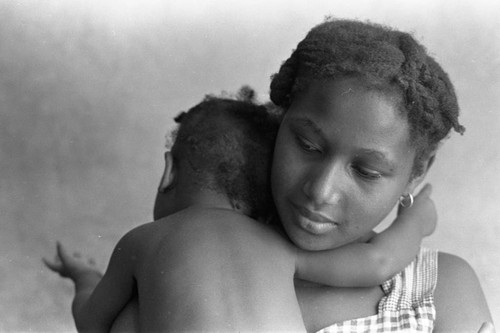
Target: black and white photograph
249 166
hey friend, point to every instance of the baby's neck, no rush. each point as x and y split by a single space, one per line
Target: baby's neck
209 199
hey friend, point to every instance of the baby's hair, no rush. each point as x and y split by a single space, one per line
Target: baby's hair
228 145
385 59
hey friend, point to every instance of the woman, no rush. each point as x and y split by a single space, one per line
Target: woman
366 109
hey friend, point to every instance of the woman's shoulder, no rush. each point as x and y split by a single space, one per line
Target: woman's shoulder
459 299
449 261
455 274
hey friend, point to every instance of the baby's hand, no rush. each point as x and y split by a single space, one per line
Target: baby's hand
423 211
69 266
487 327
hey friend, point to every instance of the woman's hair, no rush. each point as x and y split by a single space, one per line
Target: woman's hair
385 59
228 145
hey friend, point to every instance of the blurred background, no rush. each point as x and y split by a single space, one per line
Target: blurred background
88 90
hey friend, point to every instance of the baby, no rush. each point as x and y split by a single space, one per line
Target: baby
218 261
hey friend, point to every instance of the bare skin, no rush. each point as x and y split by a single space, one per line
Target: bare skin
228 257
243 271
202 276
348 157
335 130
322 305
199 269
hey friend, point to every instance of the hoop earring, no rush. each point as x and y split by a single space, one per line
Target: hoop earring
406 200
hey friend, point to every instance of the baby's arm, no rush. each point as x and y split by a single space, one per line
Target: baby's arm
84 276
384 255
97 300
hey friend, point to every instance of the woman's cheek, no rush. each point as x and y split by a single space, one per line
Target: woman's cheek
372 211
283 160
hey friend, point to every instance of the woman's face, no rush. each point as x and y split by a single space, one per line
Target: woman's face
342 160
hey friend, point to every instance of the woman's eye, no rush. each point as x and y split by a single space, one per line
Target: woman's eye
367 173
306 144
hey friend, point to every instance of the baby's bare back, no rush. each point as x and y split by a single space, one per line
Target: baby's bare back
216 270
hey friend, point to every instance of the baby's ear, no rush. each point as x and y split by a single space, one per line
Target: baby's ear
168 173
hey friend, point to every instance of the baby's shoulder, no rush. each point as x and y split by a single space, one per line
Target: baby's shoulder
225 228
216 220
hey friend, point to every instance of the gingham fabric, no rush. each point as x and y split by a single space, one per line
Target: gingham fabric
408 304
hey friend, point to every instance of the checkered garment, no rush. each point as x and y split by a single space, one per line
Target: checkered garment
408 304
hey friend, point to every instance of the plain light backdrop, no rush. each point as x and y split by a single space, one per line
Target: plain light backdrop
88 90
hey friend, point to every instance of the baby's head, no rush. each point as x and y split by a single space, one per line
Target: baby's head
226 145
385 60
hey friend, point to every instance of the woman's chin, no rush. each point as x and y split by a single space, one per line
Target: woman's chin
308 241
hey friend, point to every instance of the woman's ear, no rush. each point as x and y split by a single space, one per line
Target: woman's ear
168 176
417 179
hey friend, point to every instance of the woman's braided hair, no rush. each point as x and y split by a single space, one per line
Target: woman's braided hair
385 59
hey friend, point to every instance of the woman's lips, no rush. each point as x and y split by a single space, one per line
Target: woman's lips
314 223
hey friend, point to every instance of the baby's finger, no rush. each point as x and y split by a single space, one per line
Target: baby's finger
53 266
63 254
487 328
426 190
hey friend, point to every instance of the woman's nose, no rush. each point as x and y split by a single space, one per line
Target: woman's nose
323 186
